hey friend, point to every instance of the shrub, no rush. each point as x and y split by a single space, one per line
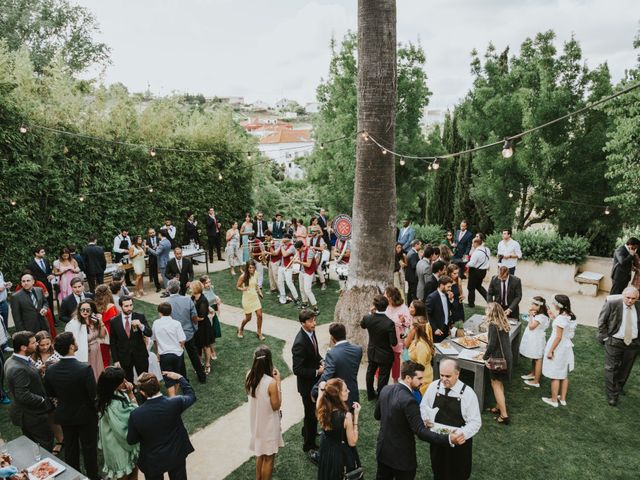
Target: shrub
540 246
433 234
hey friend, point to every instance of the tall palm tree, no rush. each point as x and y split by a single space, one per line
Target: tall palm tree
374 198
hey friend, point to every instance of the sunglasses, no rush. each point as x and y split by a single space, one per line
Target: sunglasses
85 309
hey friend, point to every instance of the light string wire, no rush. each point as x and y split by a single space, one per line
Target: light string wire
607 209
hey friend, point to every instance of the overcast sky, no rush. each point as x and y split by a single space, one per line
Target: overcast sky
266 50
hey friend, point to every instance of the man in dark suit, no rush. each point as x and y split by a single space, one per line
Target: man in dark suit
180 268
29 306
128 349
260 226
506 289
413 257
382 337
307 367
151 243
618 327
623 265
31 405
323 222
438 269
341 361
73 384
213 233
69 305
439 305
40 268
400 422
95 263
277 229
161 253
157 426
462 246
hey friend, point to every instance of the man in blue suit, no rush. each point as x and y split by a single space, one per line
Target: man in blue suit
157 426
406 235
342 361
161 252
462 246
439 305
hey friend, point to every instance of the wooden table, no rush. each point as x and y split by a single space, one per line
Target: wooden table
22 451
478 369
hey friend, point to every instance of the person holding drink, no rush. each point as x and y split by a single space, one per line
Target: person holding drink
88 328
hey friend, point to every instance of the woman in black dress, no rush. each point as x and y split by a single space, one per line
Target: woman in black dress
457 312
499 346
338 453
204 335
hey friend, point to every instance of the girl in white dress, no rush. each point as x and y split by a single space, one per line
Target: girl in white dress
559 360
533 340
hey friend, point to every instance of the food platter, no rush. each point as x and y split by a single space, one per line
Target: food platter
472 355
483 337
45 469
442 428
445 348
468 342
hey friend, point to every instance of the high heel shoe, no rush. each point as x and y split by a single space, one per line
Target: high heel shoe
502 420
260 337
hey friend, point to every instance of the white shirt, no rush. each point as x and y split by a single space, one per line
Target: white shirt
480 258
168 333
634 323
445 305
171 230
507 249
469 406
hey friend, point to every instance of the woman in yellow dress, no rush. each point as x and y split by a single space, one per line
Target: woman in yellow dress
419 341
248 285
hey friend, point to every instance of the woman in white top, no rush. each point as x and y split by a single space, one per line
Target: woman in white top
136 256
233 247
533 340
559 360
265 399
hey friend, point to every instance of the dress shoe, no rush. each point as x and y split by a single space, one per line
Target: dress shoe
613 402
314 456
164 295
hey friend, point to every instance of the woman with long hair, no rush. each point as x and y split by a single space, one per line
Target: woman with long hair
499 346
419 341
339 426
445 253
65 268
399 264
232 249
533 339
558 354
245 230
204 334
262 385
448 239
115 402
214 306
87 328
399 313
248 285
104 302
457 312
136 256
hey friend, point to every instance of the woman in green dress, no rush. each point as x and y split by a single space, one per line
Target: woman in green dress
115 403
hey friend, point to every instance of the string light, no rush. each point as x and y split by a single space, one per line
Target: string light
152 152
81 198
13 203
607 211
384 151
220 176
507 148
402 161
430 167
365 136
510 194
322 146
249 155
150 189
23 128
436 164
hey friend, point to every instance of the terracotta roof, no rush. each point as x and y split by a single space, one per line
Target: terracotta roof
287 136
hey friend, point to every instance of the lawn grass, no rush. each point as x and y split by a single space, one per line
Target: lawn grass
225 287
224 390
587 440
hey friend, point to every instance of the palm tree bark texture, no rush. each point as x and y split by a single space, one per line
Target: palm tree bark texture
374 198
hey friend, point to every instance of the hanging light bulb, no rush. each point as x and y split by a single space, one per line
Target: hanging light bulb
322 146
510 194
13 203
152 152
150 189
365 136
430 167
384 151
436 164
23 128
220 176
249 155
508 148
607 211
81 198
402 162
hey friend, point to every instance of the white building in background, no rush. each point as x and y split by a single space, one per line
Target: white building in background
259 105
283 104
284 146
433 116
312 107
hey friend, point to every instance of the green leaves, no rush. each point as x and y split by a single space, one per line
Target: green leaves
541 246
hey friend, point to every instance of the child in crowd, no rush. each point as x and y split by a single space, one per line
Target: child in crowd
534 339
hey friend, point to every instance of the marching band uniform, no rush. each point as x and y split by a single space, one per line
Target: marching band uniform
285 271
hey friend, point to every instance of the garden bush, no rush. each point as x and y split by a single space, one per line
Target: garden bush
541 246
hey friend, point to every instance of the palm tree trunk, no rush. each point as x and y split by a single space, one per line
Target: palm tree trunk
374 198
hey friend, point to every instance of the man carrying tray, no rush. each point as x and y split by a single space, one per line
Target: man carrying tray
450 402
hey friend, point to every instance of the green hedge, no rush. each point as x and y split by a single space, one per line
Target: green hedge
433 234
540 246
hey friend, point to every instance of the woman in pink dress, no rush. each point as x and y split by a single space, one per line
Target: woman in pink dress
104 303
65 268
399 313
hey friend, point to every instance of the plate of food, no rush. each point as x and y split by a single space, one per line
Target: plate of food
45 469
483 337
442 428
445 348
467 342
472 355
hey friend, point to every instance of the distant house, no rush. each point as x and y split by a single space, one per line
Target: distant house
284 146
312 107
232 100
259 105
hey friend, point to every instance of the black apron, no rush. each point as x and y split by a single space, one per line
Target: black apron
450 463
124 244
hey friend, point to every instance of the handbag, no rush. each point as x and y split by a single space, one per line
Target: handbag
358 472
497 364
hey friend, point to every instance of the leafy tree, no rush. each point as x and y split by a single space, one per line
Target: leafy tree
49 27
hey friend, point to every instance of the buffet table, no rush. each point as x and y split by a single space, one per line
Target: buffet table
471 326
23 455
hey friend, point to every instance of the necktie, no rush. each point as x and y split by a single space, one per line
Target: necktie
446 392
179 265
42 267
260 229
627 326
127 325
315 343
504 292
34 300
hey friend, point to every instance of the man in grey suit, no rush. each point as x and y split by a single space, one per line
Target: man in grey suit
423 271
618 326
29 306
31 405
342 361
623 265
161 252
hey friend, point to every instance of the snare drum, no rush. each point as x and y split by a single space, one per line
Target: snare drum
342 271
296 267
325 256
